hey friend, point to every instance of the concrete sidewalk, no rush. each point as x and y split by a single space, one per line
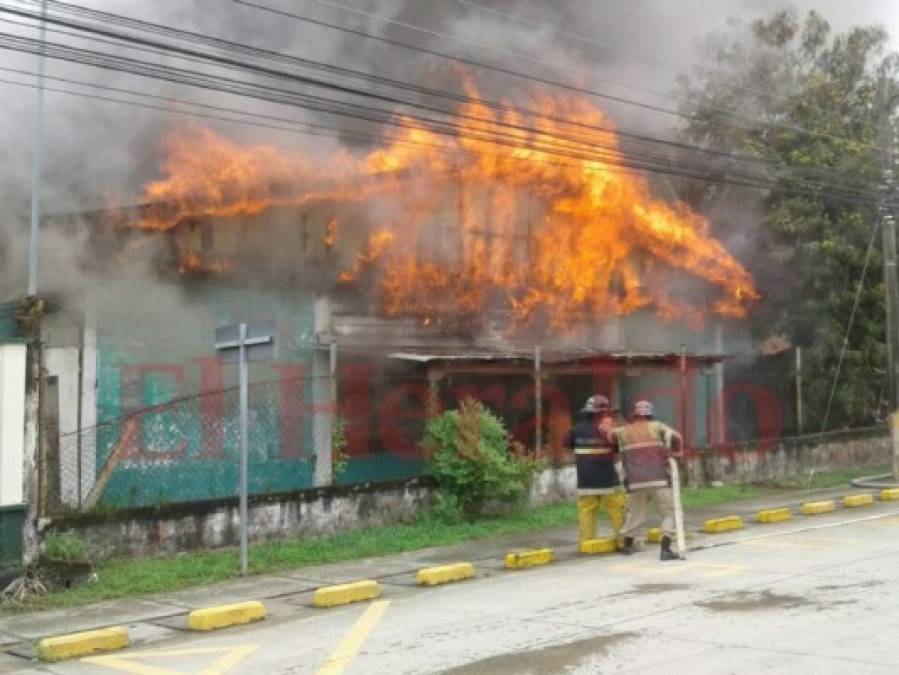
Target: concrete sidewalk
289 592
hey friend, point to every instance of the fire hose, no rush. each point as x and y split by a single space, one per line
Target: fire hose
880 481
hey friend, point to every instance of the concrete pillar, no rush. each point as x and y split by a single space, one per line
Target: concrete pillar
324 409
32 451
324 390
719 411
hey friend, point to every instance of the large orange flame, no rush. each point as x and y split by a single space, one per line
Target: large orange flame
550 223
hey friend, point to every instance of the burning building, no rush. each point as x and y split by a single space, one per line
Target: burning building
529 269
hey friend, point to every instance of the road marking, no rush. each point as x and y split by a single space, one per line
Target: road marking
346 651
130 663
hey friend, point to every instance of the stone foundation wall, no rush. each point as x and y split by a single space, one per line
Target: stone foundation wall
205 525
790 457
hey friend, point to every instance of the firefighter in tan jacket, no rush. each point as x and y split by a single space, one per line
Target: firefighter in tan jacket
645 446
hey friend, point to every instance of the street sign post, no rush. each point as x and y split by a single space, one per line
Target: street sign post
240 344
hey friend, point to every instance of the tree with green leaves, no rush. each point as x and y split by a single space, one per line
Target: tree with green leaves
810 107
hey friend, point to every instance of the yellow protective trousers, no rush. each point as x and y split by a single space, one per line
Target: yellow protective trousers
588 506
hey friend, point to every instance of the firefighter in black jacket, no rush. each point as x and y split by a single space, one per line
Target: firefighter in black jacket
597 477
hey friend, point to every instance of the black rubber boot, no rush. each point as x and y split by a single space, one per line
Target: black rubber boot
627 546
667 553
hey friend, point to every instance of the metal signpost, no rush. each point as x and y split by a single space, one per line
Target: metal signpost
240 344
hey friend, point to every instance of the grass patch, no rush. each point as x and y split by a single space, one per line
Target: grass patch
67 547
130 578
710 496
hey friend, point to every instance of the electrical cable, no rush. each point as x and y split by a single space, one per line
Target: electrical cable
845 345
517 128
229 46
145 69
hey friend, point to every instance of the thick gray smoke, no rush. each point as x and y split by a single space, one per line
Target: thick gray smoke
99 153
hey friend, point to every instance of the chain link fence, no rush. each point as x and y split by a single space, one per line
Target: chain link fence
187 450
366 424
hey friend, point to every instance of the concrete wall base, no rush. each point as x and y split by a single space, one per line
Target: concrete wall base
204 525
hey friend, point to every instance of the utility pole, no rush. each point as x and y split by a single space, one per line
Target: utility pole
889 268
37 160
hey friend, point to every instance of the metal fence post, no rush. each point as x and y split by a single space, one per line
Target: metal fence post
244 452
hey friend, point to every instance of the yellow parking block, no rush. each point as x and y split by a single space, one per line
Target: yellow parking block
223 616
889 495
654 536
343 594
517 561
725 524
774 515
851 501
811 508
594 546
82 644
432 576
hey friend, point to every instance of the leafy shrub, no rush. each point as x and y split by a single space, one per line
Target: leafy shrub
67 547
473 461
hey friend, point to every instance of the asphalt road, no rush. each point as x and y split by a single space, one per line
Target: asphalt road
814 595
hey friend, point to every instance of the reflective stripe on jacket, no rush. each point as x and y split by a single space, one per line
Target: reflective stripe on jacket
644 448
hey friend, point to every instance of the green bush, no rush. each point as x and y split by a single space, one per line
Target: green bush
68 547
473 461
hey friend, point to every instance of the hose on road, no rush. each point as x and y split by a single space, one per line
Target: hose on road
881 481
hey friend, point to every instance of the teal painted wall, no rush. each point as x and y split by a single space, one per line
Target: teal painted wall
8 326
186 449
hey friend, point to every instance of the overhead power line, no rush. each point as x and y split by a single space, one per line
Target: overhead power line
230 47
136 23
383 116
193 54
